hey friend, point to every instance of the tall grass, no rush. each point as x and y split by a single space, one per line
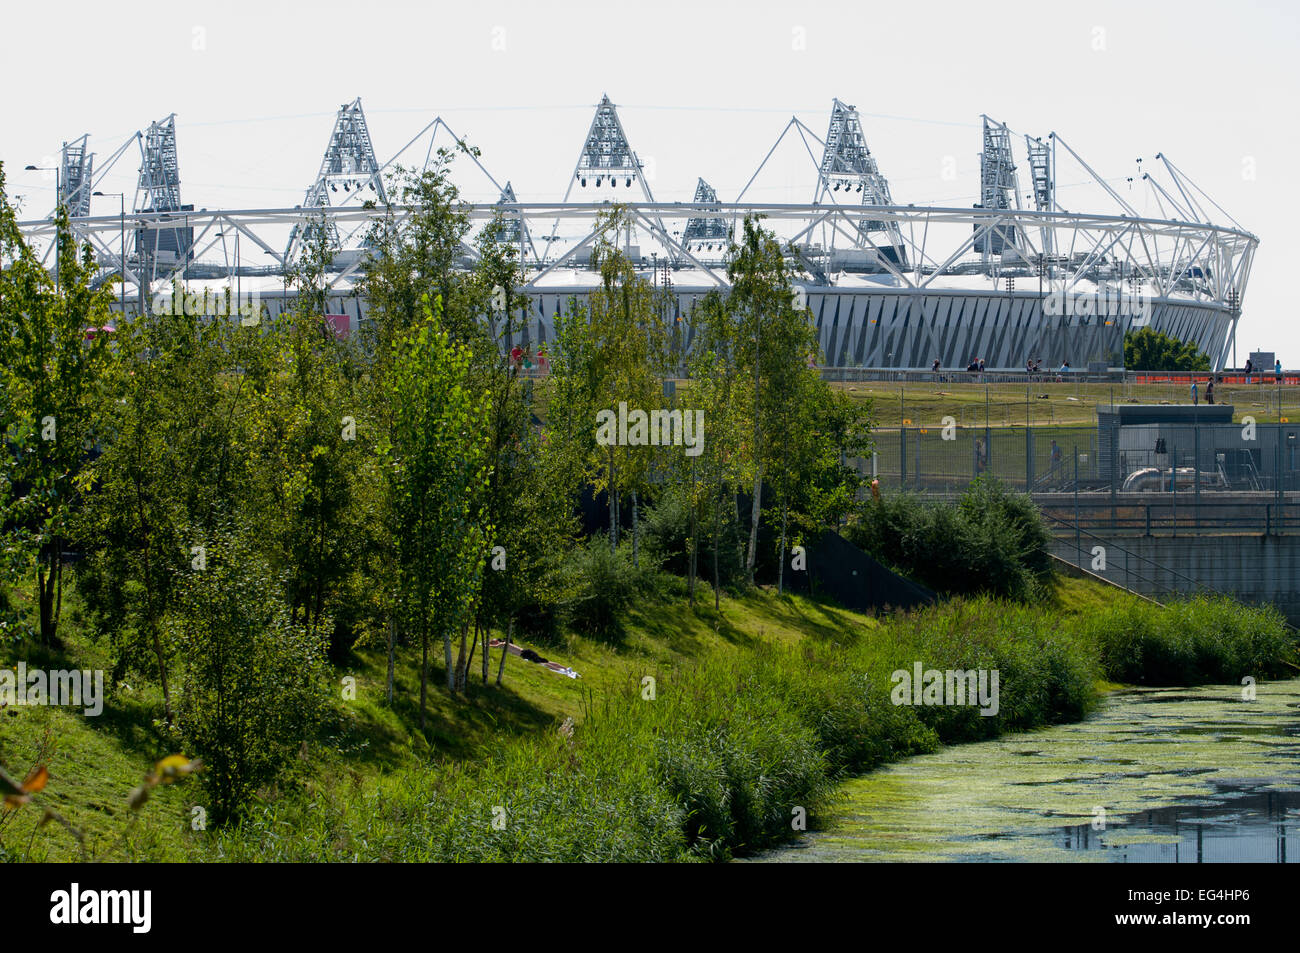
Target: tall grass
1190 642
720 761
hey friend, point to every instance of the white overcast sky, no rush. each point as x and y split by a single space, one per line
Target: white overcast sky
703 89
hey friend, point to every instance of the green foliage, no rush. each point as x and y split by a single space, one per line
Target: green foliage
1146 349
713 766
437 462
600 585
251 681
1190 642
992 541
50 396
667 536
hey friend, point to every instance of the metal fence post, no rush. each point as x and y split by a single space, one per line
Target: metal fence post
1196 473
1078 541
1029 459
902 455
1277 459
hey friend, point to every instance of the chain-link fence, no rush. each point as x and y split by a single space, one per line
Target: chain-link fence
946 459
1220 476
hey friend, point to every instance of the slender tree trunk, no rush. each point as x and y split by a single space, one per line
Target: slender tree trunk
780 570
613 505
424 665
58 588
737 520
717 542
392 648
505 649
487 637
756 510
43 593
473 646
446 653
636 561
462 663
695 540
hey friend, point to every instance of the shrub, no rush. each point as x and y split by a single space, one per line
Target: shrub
666 538
1205 639
992 541
250 680
600 586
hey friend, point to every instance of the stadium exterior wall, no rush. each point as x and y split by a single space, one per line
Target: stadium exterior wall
860 328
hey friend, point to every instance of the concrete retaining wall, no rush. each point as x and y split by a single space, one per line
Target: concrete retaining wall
1255 568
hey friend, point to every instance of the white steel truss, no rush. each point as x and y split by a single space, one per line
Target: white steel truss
349 163
1187 256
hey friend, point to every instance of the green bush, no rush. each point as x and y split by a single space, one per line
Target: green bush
992 541
249 680
666 533
600 585
1190 642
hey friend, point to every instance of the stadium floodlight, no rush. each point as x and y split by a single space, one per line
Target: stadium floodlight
349 155
845 160
929 292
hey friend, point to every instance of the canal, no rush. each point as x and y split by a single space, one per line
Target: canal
1153 775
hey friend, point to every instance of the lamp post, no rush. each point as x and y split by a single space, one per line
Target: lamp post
232 272
58 203
122 228
284 281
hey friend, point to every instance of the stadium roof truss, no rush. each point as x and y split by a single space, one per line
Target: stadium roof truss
1194 252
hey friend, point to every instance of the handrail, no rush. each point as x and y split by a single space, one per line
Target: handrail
1155 565
1159 566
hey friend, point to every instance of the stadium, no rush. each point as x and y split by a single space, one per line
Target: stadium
1013 277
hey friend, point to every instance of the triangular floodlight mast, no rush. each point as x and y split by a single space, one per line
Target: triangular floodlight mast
511 229
348 167
703 233
607 157
1040 172
1042 176
159 186
78 173
606 154
159 190
514 230
847 166
998 188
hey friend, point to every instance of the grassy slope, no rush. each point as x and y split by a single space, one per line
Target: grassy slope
1073 403
94 763
1049 403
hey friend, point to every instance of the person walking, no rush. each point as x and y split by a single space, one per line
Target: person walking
1209 392
1250 368
1194 400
